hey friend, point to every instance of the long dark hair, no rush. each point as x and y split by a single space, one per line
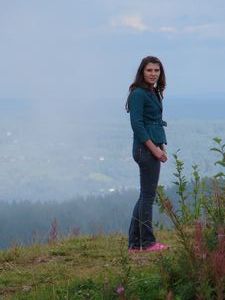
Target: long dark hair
140 82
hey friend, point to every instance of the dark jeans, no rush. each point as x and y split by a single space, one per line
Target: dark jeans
140 231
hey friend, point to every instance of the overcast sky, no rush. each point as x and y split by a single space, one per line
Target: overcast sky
79 49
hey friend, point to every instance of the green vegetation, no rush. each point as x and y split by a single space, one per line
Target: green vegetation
82 267
98 266
197 268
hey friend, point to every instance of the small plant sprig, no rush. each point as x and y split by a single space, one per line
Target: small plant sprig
196 192
167 206
214 206
181 182
215 203
53 233
220 149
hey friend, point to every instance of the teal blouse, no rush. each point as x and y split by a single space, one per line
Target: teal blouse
146 117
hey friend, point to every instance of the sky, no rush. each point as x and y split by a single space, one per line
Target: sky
66 64
85 50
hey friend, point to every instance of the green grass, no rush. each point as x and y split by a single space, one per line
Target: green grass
83 267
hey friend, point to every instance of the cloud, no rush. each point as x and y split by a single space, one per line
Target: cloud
201 30
196 28
206 30
209 30
134 22
168 29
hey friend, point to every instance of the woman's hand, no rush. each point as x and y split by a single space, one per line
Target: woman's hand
160 154
164 157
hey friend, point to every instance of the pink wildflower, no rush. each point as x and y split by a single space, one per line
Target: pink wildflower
120 290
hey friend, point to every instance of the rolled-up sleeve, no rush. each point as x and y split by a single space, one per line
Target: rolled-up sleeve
136 107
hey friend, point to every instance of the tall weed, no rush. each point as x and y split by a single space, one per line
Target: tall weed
197 270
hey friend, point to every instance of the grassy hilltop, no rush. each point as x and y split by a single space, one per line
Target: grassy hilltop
82 267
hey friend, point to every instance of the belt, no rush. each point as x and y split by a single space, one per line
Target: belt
162 123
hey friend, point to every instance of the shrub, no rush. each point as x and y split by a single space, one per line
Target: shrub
197 268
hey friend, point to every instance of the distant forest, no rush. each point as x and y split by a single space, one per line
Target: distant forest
29 222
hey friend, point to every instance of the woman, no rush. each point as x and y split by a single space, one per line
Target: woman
145 106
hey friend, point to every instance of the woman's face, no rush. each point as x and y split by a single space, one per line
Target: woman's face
151 73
